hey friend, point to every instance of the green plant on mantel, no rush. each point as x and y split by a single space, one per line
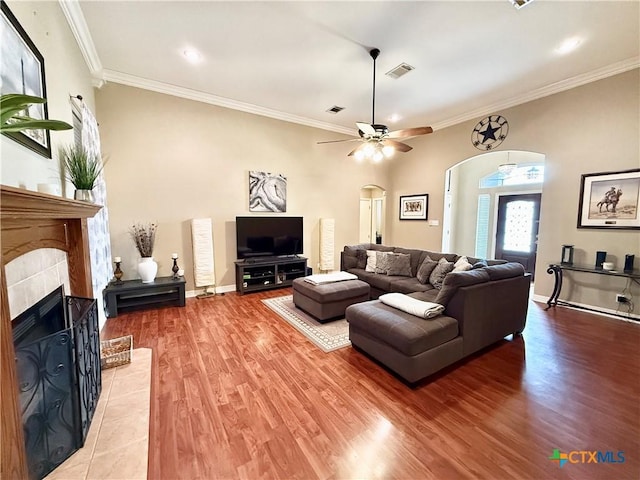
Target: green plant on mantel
12 119
81 167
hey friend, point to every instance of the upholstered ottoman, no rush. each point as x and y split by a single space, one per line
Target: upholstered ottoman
329 300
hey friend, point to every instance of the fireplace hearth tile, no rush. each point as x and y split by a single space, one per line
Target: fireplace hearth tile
127 461
117 445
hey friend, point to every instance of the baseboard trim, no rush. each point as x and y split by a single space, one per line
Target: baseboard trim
218 289
593 309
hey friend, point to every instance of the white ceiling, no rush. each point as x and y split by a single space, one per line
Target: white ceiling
294 60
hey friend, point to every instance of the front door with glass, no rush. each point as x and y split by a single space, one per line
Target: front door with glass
517 231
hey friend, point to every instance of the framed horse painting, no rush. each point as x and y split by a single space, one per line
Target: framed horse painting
610 200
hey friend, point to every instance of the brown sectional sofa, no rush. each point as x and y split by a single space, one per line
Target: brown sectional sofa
482 306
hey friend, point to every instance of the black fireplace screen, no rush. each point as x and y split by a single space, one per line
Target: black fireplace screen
59 377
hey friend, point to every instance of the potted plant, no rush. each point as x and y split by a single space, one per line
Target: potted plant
82 169
144 236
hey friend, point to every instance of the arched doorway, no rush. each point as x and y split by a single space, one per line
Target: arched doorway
492 206
372 214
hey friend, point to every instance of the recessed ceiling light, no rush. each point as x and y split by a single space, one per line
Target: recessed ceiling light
569 45
192 55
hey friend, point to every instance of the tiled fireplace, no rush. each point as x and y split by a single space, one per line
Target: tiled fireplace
44 244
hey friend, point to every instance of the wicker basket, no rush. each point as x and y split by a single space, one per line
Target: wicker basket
116 352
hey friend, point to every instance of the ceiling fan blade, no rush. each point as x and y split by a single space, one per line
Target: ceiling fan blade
338 141
410 132
399 146
366 128
359 147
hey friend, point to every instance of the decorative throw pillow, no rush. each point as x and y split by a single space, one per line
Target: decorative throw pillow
462 265
399 264
437 276
361 256
381 262
371 261
425 269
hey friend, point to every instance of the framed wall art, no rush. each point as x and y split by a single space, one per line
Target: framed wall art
414 207
22 71
267 192
610 200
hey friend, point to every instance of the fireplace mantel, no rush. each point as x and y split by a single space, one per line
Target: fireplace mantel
29 221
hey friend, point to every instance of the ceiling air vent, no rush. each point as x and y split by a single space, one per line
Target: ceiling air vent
400 70
335 109
520 3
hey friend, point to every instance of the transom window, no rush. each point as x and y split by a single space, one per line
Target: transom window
524 175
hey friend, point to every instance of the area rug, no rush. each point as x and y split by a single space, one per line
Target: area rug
326 336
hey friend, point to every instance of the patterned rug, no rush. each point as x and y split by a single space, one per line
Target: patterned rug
326 336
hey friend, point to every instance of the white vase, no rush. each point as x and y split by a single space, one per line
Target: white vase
147 269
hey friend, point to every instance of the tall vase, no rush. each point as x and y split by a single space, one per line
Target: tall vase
147 269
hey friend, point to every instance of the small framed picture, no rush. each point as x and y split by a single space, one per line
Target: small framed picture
610 200
414 207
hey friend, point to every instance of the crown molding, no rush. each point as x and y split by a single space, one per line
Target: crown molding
568 84
168 89
77 23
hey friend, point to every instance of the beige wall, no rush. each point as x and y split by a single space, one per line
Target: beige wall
593 128
171 160
66 73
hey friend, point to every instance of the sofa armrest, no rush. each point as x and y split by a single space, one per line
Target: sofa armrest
488 312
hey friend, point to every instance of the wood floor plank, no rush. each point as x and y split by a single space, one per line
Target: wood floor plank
239 393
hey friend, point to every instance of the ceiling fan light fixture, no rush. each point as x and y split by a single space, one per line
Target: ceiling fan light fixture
388 151
377 156
506 168
359 155
368 150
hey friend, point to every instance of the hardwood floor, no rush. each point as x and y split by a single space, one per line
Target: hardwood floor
239 393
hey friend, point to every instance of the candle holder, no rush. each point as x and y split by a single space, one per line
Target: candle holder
175 269
118 273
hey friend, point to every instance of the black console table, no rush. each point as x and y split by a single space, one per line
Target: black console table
268 273
557 268
133 294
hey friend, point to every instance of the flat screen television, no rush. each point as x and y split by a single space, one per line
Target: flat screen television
261 237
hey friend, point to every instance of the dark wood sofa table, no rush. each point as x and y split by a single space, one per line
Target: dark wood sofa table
133 294
557 270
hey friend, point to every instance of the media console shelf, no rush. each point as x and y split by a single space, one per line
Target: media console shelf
256 275
133 294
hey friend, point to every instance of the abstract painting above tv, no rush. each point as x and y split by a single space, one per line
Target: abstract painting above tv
267 192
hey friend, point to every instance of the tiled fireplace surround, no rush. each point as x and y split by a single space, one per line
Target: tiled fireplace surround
44 243
33 275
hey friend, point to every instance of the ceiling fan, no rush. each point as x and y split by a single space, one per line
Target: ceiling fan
377 141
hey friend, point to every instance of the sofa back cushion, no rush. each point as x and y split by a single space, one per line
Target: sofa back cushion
454 280
505 270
